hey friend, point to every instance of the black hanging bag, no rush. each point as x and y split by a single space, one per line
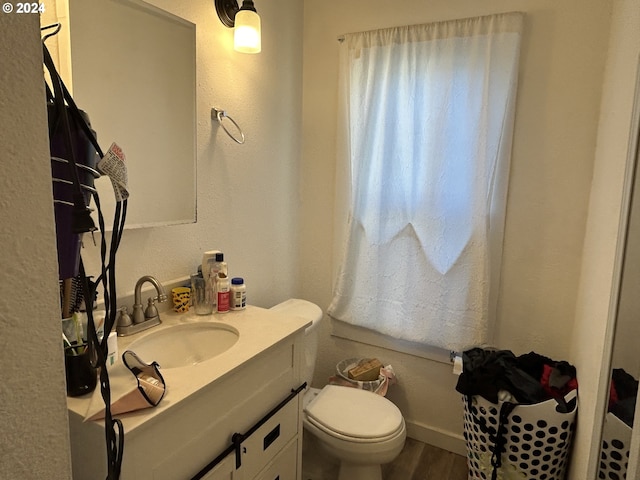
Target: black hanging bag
74 153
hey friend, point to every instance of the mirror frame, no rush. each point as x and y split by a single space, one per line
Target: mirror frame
630 198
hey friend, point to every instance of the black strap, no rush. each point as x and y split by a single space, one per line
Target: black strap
81 219
63 98
498 447
64 107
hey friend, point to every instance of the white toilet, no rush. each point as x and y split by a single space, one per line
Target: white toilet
362 430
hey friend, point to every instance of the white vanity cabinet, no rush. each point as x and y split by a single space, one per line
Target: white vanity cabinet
272 449
284 466
252 393
224 470
270 453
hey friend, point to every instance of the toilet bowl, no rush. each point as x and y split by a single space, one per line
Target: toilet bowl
361 429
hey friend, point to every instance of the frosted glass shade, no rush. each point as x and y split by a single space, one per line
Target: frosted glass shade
246 35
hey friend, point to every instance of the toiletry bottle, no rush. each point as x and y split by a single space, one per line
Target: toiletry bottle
217 265
224 294
207 257
211 278
238 293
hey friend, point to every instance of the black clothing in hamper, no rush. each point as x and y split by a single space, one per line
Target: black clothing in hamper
486 372
624 390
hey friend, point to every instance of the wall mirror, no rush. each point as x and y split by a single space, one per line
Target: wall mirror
133 72
621 415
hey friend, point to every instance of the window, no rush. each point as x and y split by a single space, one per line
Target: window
426 134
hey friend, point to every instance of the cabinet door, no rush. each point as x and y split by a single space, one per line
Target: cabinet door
225 470
284 466
265 443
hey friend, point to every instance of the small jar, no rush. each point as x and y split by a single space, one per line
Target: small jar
238 294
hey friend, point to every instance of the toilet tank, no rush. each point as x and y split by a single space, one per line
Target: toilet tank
313 313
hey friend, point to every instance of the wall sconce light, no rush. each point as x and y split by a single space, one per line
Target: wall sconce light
245 21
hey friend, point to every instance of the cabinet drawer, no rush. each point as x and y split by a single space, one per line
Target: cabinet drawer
265 443
284 465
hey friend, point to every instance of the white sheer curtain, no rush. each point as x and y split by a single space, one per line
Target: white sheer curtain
425 134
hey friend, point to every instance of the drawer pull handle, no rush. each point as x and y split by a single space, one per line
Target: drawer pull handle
271 437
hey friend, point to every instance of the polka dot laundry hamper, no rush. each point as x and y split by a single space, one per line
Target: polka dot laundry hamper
507 441
614 455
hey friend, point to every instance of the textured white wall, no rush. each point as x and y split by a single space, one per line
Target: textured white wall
34 443
592 333
247 194
562 62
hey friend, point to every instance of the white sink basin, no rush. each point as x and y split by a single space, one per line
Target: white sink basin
186 344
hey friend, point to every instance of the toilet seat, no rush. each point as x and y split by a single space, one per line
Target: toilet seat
354 415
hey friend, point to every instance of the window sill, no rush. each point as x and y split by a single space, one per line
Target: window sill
369 337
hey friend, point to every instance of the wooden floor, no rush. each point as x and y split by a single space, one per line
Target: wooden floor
417 461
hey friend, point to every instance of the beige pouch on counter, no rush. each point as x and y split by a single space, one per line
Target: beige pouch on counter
135 385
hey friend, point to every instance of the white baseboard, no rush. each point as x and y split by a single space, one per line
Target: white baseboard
444 439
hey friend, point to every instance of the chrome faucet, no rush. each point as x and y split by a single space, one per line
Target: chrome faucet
142 319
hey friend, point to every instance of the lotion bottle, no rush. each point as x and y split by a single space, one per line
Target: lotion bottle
224 294
216 266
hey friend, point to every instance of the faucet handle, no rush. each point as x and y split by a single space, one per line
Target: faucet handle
123 320
151 311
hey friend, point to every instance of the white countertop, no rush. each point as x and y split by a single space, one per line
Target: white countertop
259 329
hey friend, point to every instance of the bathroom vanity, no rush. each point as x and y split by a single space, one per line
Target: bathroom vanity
251 389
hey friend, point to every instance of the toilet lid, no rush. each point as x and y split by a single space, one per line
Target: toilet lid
354 413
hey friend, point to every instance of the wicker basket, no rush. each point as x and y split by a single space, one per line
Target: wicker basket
345 365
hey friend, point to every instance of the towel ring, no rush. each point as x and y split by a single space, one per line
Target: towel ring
219 114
